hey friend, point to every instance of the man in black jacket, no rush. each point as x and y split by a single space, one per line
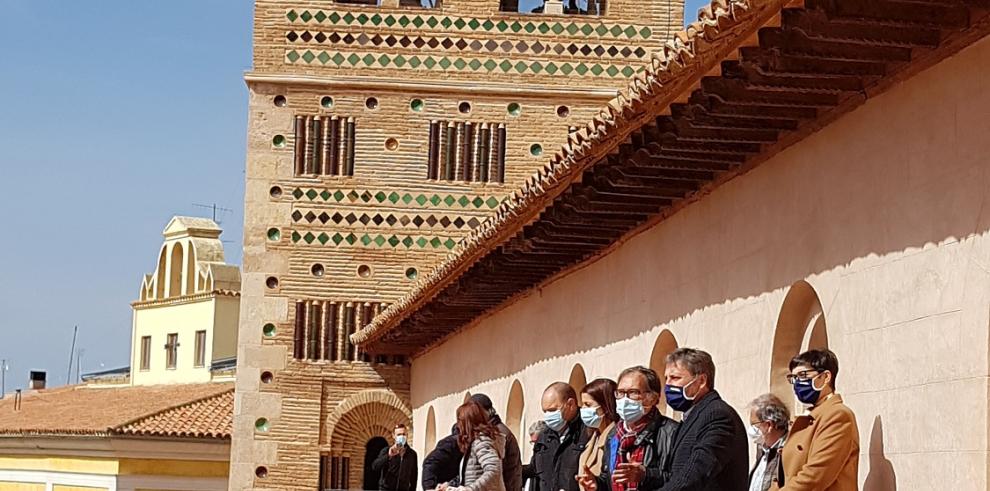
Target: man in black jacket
710 448
397 464
557 453
638 447
441 465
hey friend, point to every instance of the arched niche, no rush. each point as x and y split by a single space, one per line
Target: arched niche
578 379
514 410
431 431
175 271
801 326
665 344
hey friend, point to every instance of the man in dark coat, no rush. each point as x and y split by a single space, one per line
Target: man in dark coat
442 464
711 451
397 464
557 453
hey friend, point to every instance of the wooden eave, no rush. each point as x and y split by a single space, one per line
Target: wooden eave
747 80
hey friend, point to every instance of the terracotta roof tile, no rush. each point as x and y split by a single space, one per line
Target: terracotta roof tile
159 410
210 417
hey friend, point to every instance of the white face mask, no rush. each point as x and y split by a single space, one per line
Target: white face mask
755 435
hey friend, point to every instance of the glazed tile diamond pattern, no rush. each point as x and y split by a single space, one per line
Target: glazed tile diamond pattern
394 197
468 24
388 219
311 57
343 239
419 42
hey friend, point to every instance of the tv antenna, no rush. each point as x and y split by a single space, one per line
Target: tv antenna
215 209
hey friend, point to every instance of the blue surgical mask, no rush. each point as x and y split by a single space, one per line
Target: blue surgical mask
401 440
629 410
591 417
677 398
555 420
806 391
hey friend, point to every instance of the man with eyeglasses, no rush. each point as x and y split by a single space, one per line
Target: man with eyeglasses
711 452
822 449
640 443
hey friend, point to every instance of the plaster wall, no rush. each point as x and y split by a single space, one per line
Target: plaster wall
882 213
184 319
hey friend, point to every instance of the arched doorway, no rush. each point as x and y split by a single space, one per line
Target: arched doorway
431 431
371 451
801 326
577 379
664 345
352 428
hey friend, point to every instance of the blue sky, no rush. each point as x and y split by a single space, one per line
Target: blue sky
117 115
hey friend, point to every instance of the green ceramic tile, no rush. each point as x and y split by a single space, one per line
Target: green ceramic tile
320 16
323 238
306 16
296 236
312 194
380 240
308 238
291 15
463 201
292 56
492 202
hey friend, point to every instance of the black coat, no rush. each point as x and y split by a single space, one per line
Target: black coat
658 438
711 450
398 473
555 464
442 465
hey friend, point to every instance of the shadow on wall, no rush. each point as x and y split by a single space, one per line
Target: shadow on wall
813 208
881 476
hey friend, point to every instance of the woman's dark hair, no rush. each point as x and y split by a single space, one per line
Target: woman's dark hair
472 420
602 390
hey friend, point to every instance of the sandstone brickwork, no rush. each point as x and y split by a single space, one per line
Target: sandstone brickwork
379 136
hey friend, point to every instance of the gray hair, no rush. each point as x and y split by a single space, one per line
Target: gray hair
770 408
695 361
537 428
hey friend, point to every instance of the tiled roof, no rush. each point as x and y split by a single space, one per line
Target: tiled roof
210 417
686 56
183 410
746 80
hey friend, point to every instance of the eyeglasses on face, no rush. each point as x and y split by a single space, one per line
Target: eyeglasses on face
634 394
802 376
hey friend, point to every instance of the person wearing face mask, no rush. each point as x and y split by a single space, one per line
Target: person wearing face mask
598 414
637 448
397 464
557 453
769 420
440 465
822 450
710 451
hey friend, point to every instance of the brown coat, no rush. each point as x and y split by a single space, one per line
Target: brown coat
592 455
822 450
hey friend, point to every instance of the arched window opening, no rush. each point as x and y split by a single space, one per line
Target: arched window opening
175 272
801 326
160 276
664 345
191 271
567 7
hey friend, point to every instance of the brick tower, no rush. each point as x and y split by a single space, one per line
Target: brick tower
379 135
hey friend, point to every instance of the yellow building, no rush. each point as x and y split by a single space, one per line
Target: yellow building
165 422
186 317
165 437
